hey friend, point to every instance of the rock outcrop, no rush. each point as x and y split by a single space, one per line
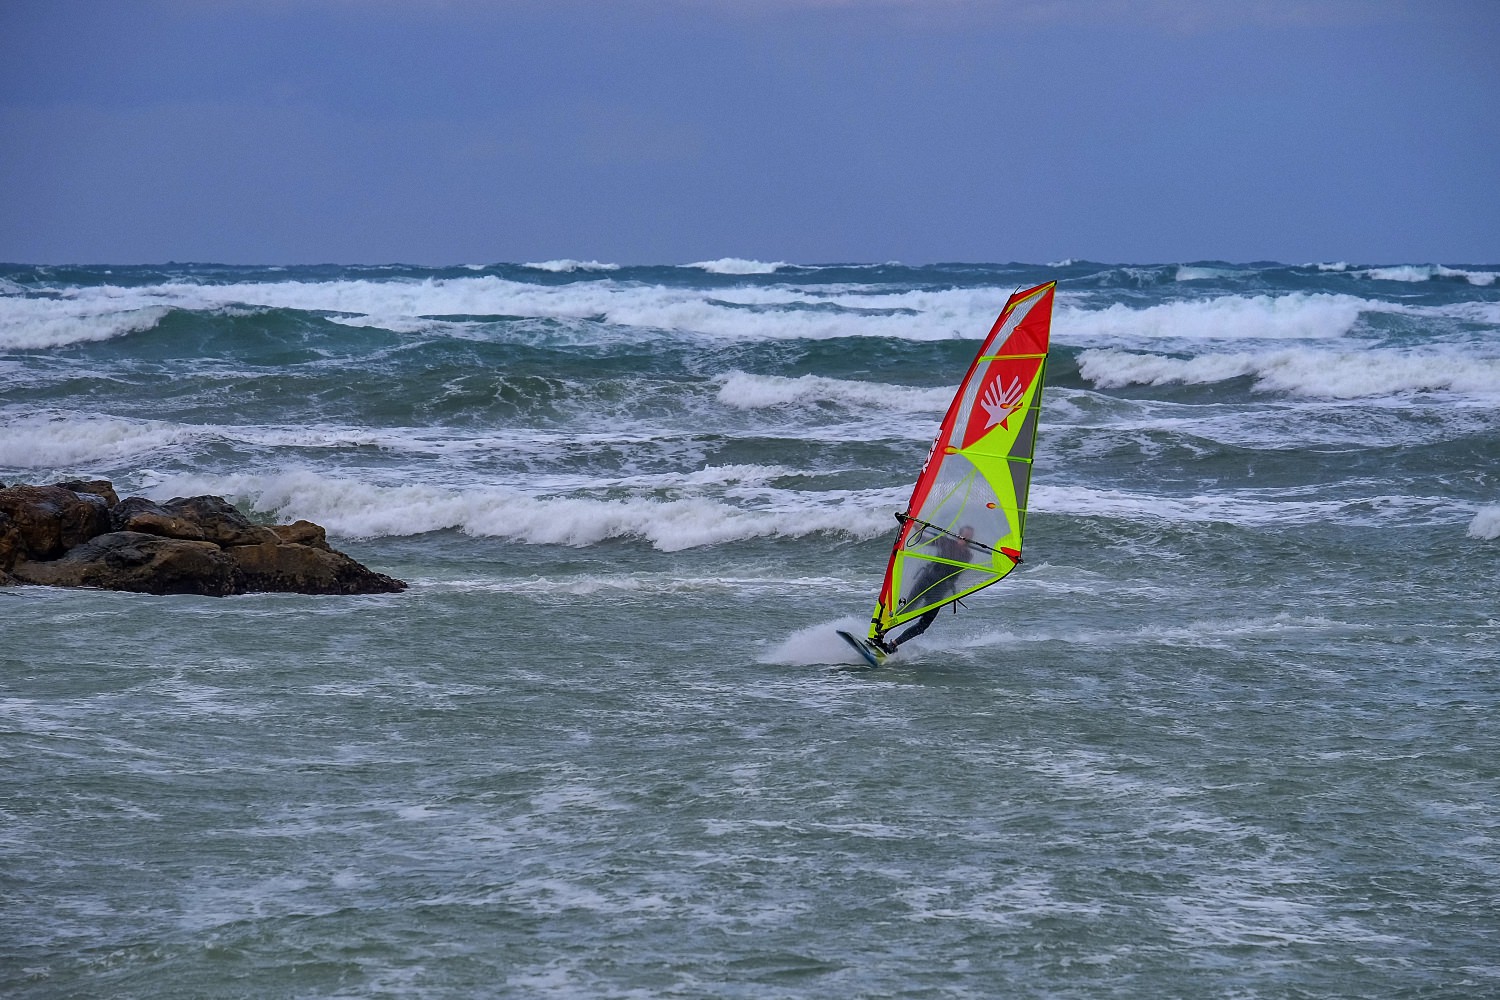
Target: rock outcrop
81 534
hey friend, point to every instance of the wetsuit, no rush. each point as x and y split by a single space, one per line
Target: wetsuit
935 582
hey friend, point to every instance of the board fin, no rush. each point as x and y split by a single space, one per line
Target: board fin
873 654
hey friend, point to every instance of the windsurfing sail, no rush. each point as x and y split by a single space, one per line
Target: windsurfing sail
963 527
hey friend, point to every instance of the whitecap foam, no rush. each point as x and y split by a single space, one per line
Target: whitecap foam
1428 272
588 584
1245 508
39 323
607 309
781 311
1199 272
419 306
1093 424
738 265
745 391
565 266
1302 371
1486 524
62 440
1297 316
352 508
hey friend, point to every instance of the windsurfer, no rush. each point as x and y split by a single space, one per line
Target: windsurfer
936 581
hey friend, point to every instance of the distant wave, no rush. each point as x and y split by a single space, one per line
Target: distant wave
470 306
409 305
1428 272
1295 316
1187 272
561 266
750 392
1300 371
737 265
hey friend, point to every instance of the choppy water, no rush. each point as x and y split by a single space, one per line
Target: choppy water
1229 732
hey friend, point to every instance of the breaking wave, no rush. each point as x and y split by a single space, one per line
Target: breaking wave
351 508
736 265
41 323
1428 272
1486 524
566 266
751 392
766 305
1300 371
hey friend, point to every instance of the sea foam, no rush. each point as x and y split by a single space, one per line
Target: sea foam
61 440
1247 508
752 392
39 323
565 266
357 509
737 265
1301 371
1486 524
749 312
1429 272
1297 316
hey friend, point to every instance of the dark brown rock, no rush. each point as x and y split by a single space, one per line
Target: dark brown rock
50 520
80 534
303 569
98 487
140 514
302 533
220 520
10 542
204 518
135 561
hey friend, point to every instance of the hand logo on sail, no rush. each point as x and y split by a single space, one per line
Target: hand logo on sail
1000 404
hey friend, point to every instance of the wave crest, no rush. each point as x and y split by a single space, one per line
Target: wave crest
355 509
745 391
565 266
1300 371
1296 316
1429 272
39 323
738 265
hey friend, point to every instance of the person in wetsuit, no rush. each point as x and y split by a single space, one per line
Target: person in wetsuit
936 581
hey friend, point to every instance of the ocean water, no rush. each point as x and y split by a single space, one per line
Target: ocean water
1230 731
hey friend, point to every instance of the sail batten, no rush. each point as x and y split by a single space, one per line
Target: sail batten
963 527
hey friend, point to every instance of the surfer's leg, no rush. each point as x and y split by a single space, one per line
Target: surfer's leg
921 626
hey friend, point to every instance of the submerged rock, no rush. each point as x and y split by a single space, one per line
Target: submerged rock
80 534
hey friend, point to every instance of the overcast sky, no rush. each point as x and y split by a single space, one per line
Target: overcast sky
670 131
